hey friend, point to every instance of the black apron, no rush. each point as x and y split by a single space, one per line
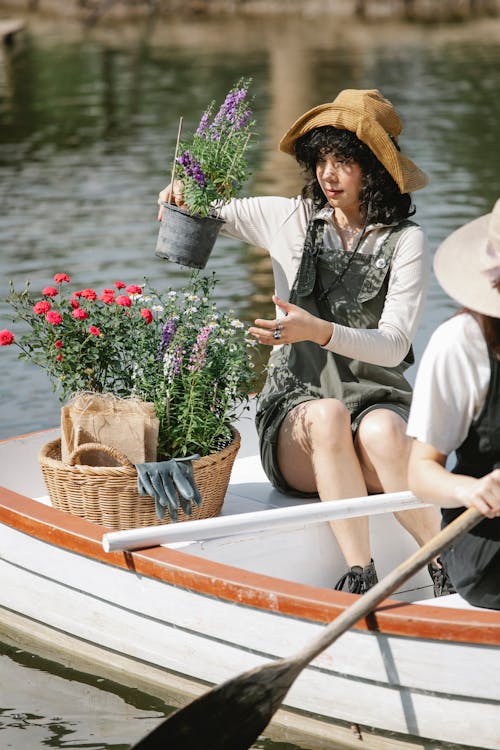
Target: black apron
348 289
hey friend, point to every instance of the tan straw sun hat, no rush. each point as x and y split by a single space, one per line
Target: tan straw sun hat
467 264
375 122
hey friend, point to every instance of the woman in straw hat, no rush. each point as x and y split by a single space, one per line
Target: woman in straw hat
456 407
350 275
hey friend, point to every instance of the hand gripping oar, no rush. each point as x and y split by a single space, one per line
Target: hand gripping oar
232 715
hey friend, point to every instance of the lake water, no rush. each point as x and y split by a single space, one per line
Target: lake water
88 123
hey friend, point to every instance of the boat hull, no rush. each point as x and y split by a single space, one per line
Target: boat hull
172 623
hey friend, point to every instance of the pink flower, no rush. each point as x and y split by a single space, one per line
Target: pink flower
120 285
58 344
60 277
107 296
6 338
133 289
94 331
147 314
53 317
50 291
79 314
123 300
197 358
42 307
89 294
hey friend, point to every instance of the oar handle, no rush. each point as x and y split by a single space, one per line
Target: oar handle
384 588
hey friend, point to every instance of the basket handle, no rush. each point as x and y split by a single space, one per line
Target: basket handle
113 452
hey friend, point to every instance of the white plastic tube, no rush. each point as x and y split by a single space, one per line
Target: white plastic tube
262 520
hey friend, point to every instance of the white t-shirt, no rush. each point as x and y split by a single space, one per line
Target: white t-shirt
451 384
279 225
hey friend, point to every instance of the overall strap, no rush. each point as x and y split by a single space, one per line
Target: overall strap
306 275
382 261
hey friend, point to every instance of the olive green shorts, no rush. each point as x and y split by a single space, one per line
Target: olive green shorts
268 427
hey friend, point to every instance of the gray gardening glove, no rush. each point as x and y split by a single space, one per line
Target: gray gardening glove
168 483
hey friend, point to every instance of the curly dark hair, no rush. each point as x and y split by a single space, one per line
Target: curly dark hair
380 196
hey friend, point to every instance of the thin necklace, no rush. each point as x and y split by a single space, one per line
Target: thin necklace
348 264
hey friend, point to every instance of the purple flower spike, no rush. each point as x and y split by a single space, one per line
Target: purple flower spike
203 126
242 120
166 337
192 168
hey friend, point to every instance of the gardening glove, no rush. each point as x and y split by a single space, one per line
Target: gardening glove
168 483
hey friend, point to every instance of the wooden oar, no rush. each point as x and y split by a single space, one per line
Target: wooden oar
232 715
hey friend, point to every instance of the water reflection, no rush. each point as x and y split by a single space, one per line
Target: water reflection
43 704
46 704
88 122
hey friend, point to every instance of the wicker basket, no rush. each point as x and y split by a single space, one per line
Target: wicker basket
108 495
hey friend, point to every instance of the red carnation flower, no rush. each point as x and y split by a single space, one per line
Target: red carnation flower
133 289
107 296
74 303
53 317
120 285
42 307
94 331
59 357
6 338
60 277
79 314
58 344
89 294
77 294
123 300
147 314
50 291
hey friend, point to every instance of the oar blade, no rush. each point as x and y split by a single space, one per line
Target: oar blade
231 716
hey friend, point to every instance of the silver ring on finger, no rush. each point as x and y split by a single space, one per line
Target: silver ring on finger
277 334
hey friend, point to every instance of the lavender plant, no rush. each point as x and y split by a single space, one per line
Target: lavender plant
213 165
207 371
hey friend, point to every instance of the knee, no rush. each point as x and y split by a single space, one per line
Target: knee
383 432
329 420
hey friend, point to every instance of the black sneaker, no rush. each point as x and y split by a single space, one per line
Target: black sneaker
358 580
440 579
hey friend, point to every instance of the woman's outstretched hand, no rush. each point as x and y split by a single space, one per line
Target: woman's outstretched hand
169 195
295 325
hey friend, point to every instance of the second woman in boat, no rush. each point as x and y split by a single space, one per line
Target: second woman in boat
457 407
351 272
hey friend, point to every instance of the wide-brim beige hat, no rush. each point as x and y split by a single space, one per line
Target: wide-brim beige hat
374 120
467 264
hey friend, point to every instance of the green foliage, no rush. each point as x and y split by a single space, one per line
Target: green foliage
175 349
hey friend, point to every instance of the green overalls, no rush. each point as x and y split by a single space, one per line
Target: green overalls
348 289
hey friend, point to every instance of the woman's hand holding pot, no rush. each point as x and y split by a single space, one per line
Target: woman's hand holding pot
173 193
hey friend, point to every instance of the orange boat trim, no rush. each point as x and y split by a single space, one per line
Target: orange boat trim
244 587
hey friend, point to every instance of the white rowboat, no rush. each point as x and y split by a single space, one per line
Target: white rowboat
207 600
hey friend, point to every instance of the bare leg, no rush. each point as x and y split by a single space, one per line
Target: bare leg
316 454
383 449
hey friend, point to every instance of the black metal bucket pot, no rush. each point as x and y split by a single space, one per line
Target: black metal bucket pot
185 239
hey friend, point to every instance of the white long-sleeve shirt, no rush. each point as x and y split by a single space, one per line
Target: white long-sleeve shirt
279 226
